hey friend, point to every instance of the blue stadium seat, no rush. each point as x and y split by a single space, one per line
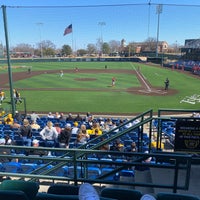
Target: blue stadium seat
12 167
27 168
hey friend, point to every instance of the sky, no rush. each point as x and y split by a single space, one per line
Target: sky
32 21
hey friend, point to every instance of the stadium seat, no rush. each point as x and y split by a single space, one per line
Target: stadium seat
93 172
13 195
28 187
11 167
63 189
175 196
27 168
121 194
112 177
71 171
63 171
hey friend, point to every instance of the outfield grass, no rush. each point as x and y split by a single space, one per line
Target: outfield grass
109 99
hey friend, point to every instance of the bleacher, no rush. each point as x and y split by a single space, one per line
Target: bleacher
86 163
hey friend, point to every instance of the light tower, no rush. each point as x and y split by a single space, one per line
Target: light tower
158 12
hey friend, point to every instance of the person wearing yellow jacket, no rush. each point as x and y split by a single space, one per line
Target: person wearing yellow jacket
9 119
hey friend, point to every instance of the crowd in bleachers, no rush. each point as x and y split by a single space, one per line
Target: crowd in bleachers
58 130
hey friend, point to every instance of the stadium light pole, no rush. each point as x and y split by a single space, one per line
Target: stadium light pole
40 24
158 12
101 24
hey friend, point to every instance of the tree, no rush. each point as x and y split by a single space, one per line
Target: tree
66 50
47 48
105 48
23 48
149 44
114 46
91 48
81 52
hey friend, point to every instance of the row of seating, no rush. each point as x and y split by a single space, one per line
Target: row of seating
27 190
93 172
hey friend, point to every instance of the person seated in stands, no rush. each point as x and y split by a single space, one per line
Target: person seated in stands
75 128
25 132
6 151
50 115
9 119
105 147
18 117
34 125
39 152
34 116
57 127
49 135
78 118
117 146
96 126
8 140
88 117
15 125
57 115
65 136
132 148
62 118
69 118
82 137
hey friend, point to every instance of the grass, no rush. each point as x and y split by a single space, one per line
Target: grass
109 99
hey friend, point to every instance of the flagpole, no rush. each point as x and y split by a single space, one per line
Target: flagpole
72 43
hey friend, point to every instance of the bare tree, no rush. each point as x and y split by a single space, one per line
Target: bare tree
114 46
91 48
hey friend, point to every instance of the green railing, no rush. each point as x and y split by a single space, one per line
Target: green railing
77 160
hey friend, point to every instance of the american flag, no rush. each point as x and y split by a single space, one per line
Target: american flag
68 30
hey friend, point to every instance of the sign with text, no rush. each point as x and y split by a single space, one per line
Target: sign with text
187 136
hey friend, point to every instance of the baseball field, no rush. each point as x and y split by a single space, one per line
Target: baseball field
87 87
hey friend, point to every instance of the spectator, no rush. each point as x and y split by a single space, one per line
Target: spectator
57 127
34 116
75 128
64 136
117 146
88 117
34 125
82 137
9 119
18 117
62 118
105 147
69 118
39 152
25 132
78 118
15 125
57 115
49 134
96 127
50 115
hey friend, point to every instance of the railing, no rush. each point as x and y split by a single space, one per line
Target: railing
75 165
78 161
